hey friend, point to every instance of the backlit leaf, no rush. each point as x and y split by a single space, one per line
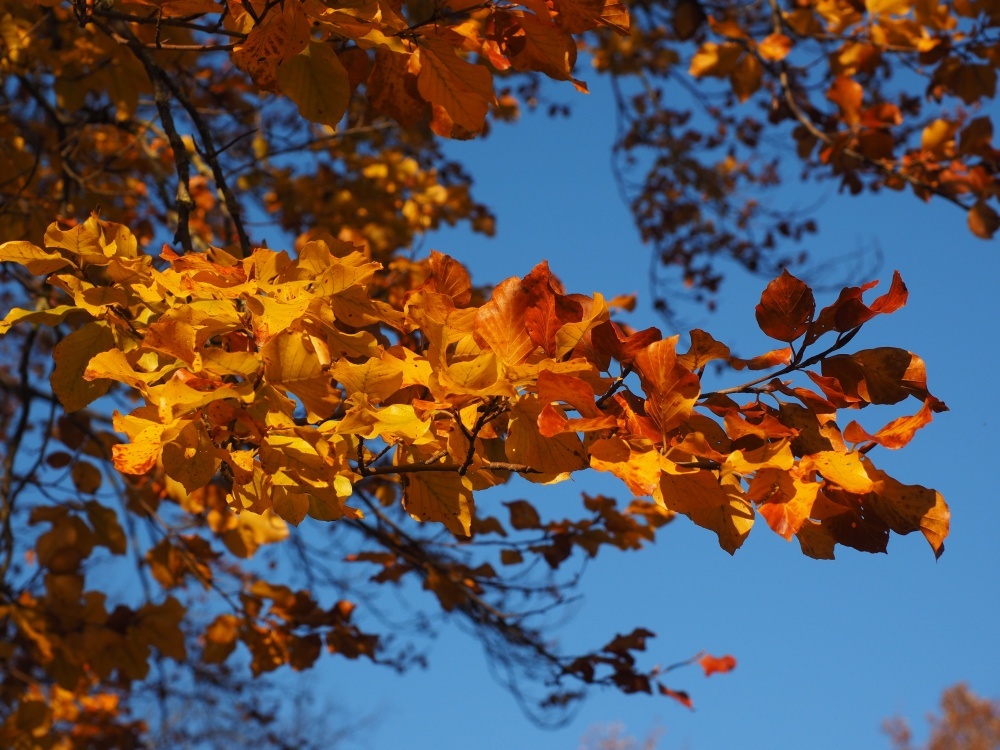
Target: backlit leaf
317 82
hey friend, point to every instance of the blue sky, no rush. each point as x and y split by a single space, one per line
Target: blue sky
826 650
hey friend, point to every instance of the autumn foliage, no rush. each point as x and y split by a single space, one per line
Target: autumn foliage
183 402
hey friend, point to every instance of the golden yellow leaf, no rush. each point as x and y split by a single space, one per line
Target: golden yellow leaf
377 379
843 469
253 531
716 60
141 454
72 356
38 261
640 470
443 497
888 7
290 362
191 458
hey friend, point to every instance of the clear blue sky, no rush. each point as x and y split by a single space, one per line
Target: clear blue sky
826 650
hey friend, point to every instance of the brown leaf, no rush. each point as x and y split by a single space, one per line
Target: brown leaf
523 515
907 508
886 375
442 497
983 220
678 695
462 89
786 308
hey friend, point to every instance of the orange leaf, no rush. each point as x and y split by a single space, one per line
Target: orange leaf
534 43
713 664
764 361
500 323
703 350
392 88
775 47
278 38
569 390
900 431
850 311
450 278
462 89
847 94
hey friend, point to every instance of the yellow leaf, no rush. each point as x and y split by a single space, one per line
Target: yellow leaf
140 455
376 379
191 458
444 497
398 421
939 138
290 362
889 7
317 82
640 470
768 456
53 316
717 60
39 262
253 531
72 356
843 469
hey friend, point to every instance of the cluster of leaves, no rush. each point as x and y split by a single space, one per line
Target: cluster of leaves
884 94
880 94
347 382
966 721
272 388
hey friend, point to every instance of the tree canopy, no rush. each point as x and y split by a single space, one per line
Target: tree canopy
186 407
